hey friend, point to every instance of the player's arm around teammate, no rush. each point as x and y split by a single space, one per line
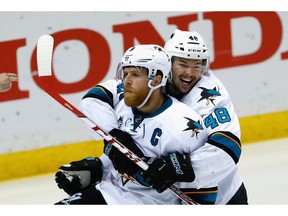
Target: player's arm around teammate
142 93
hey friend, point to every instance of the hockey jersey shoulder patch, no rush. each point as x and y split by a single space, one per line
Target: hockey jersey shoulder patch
101 93
209 95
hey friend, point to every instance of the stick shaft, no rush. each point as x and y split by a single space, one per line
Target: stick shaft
116 144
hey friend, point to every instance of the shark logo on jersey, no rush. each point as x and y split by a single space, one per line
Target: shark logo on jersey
194 126
209 94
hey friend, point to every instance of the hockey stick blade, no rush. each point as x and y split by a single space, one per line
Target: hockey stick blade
44 55
44 61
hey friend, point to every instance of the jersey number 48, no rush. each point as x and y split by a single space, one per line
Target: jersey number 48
222 116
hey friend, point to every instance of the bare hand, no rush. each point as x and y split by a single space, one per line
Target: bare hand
6 80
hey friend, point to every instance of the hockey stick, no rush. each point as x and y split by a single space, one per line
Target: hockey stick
44 62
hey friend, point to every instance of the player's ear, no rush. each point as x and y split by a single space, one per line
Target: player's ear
157 79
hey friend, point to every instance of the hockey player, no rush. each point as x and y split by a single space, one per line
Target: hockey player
194 83
6 80
163 131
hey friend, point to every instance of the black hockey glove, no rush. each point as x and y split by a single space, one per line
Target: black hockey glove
77 175
165 171
120 162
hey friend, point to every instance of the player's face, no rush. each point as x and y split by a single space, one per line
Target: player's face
185 73
135 85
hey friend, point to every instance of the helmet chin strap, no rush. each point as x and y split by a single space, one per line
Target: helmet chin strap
152 88
146 99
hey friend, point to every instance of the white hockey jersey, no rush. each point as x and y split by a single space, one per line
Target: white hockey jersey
214 162
154 135
211 100
173 127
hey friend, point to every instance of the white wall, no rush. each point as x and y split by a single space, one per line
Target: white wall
36 120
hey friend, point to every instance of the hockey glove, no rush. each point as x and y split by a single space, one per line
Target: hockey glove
77 175
165 171
120 162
